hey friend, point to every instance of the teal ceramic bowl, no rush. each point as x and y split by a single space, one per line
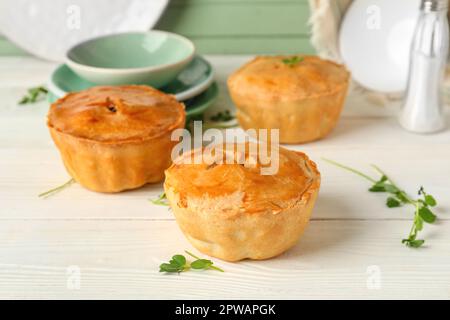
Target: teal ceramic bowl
154 58
195 78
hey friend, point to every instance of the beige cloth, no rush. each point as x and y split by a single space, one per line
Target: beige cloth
325 20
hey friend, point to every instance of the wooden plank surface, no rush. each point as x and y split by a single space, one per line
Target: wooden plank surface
118 241
117 259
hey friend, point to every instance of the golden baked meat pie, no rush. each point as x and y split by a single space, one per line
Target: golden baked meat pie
233 212
114 138
301 95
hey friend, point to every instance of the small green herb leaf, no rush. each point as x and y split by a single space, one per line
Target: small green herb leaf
222 116
178 260
292 61
201 264
178 264
413 243
198 258
402 197
221 120
427 215
399 197
168 267
34 95
161 200
429 200
392 202
377 188
391 188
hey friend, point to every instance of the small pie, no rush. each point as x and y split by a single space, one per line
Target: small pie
114 138
231 211
302 96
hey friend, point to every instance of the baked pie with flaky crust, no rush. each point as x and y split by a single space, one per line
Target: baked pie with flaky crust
301 95
114 138
232 212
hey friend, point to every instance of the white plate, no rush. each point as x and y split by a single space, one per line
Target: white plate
48 28
375 41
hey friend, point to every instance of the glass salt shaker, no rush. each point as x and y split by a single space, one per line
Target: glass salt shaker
423 105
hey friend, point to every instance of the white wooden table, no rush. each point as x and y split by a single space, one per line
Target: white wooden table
115 243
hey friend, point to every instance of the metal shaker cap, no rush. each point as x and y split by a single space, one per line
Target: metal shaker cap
434 5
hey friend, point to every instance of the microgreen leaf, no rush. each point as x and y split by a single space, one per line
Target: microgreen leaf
413 243
161 200
292 61
429 200
201 264
56 190
427 215
34 95
168 267
402 196
178 264
390 188
179 260
392 202
222 116
221 120
377 188
399 197
210 267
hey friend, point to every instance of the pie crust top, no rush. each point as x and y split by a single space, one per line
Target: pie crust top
244 188
271 78
116 113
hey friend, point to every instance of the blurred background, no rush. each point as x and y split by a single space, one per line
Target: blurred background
231 26
371 37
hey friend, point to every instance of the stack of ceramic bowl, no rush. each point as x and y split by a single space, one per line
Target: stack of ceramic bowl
163 60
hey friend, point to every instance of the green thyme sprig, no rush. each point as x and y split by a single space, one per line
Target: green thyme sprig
34 95
397 198
161 200
179 263
292 61
56 190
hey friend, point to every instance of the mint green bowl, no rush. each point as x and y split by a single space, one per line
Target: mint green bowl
154 58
